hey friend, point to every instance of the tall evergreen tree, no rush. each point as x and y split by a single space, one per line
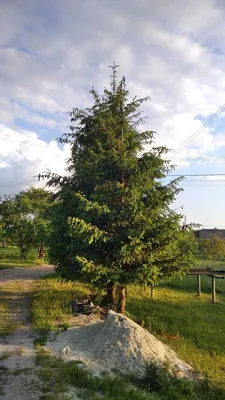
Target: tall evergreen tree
112 223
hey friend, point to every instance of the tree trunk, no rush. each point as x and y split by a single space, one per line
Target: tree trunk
22 251
110 297
122 299
152 290
41 251
111 293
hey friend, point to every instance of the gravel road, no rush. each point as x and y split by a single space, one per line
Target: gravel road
18 372
12 274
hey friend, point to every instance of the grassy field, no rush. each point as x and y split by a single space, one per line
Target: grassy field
210 264
191 325
10 257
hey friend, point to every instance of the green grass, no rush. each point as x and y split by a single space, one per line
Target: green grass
189 284
51 305
210 264
10 257
7 324
191 325
157 384
57 376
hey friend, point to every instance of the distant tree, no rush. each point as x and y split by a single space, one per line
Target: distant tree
17 220
214 247
2 232
112 223
40 202
23 221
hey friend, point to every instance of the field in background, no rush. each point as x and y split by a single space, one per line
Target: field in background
10 257
210 264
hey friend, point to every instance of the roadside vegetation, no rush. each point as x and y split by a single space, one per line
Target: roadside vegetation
192 326
51 304
10 257
157 384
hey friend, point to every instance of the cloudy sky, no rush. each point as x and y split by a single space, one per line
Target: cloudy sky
52 52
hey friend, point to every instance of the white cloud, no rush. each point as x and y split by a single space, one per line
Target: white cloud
24 155
52 54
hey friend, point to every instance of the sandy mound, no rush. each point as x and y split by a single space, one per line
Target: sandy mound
117 343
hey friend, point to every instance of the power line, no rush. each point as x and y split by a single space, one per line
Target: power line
203 186
199 130
183 182
205 160
204 180
173 175
200 158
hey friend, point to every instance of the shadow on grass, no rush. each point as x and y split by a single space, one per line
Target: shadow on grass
200 322
190 284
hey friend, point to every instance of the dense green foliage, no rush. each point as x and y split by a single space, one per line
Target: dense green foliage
24 221
112 221
212 248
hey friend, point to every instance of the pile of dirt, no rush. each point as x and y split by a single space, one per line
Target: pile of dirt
117 343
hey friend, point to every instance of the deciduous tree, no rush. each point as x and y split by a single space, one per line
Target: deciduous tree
24 221
214 247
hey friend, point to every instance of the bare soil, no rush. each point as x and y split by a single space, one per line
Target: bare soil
18 375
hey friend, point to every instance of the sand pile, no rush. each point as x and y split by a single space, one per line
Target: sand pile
116 343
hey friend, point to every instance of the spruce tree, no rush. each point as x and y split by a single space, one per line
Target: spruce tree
112 223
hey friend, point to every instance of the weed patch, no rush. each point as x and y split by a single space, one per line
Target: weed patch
57 376
7 324
51 305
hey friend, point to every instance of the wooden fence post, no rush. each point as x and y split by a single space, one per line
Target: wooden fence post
199 285
213 289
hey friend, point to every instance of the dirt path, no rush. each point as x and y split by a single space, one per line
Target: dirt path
12 274
18 377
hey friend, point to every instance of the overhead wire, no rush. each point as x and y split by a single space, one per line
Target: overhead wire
184 144
209 174
199 130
